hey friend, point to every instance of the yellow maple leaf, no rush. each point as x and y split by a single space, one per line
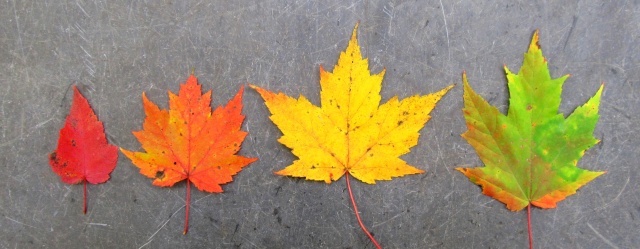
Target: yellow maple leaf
351 132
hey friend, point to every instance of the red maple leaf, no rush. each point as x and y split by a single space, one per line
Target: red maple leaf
83 153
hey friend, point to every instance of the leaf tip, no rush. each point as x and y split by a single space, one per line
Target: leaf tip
77 96
465 84
144 98
251 160
535 41
446 89
238 96
192 80
599 92
462 170
464 78
355 32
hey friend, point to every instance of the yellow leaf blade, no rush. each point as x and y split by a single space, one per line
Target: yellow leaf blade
350 131
350 94
309 134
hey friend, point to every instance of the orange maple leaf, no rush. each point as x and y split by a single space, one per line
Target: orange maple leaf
190 142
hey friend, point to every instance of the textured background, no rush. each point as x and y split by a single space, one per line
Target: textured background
115 50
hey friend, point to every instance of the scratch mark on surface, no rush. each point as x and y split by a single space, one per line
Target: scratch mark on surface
15 15
602 237
573 25
391 14
21 223
42 123
446 29
97 224
619 193
163 225
82 9
81 32
390 219
85 51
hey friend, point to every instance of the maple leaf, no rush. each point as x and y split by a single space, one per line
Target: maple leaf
351 133
190 142
83 153
530 155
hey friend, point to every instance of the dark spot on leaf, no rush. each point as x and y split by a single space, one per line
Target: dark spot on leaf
160 174
400 122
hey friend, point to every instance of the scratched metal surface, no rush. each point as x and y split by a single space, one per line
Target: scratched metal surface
115 50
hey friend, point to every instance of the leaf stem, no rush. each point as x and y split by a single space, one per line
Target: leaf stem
84 197
186 223
355 209
529 225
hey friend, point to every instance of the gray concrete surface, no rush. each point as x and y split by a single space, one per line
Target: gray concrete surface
115 50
